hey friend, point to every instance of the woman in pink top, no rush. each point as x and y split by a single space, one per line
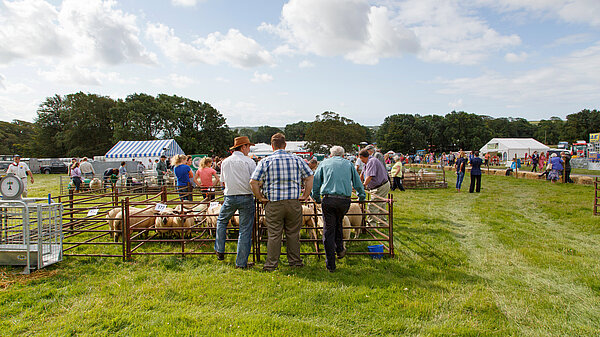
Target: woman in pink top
204 178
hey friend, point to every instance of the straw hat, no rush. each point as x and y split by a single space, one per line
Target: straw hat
239 141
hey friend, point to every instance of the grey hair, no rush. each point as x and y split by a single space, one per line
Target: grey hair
396 158
337 151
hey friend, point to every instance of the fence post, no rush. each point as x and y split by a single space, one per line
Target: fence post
163 196
71 207
126 224
391 223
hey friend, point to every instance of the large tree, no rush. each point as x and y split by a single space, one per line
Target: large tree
330 129
399 133
17 138
264 133
580 125
296 131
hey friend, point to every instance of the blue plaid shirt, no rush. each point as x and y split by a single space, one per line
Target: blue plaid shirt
282 174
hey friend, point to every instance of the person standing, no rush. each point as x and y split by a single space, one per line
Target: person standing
184 175
204 177
334 180
375 153
150 164
396 174
567 160
535 158
461 168
282 174
376 182
21 170
557 166
123 169
236 171
161 170
87 170
76 177
476 163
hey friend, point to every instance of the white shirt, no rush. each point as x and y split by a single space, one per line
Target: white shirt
86 167
19 170
236 171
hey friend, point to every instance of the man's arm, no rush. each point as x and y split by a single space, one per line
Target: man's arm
30 175
255 185
358 186
308 183
316 187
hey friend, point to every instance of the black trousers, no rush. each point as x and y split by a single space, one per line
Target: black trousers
534 168
475 179
568 176
334 210
397 183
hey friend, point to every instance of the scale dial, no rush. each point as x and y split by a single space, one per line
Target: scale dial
11 187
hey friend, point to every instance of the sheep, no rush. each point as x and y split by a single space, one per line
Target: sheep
110 217
95 184
356 218
166 220
135 222
308 219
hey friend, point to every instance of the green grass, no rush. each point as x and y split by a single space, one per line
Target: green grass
519 259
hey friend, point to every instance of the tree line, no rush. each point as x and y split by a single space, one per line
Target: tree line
84 124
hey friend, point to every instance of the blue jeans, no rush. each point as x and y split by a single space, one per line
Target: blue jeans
245 205
459 179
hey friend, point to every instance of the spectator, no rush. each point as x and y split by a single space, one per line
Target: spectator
150 165
535 159
236 171
21 170
461 169
542 161
557 166
513 166
282 174
71 165
377 183
204 178
122 169
567 159
184 175
76 176
313 163
334 180
375 153
476 163
140 167
87 170
396 174
161 170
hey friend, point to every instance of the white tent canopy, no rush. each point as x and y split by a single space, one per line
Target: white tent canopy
143 149
507 148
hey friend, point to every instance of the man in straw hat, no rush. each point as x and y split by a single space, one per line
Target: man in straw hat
235 175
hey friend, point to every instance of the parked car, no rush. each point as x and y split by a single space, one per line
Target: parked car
53 166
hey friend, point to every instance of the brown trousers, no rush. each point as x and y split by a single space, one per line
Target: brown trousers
280 215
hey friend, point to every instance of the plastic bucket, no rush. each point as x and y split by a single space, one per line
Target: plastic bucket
376 249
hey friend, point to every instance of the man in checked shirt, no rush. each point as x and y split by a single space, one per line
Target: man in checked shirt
282 175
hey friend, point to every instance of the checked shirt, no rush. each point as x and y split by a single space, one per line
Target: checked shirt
282 174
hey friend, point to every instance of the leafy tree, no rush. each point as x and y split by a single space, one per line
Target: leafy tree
398 133
580 125
549 131
248 133
330 129
264 133
296 131
465 131
139 117
17 138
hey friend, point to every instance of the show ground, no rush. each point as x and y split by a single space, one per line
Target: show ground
518 259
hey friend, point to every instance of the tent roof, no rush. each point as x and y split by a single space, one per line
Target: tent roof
144 148
517 143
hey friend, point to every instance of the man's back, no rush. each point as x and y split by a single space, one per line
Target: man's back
236 171
336 176
282 174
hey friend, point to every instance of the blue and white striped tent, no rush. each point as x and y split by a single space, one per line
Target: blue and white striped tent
143 149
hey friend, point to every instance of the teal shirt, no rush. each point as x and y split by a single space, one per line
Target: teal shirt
337 176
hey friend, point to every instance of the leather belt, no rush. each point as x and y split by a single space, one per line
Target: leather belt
378 186
336 196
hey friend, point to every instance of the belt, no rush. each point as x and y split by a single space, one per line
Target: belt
336 196
378 186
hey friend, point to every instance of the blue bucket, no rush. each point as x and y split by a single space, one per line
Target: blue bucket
376 249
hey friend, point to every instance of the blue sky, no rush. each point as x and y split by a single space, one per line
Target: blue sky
269 62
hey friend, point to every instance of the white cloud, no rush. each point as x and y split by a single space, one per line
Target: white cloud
82 32
185 3
306 64
571 39
569 79
261 77
73 73
450 32
176 80
234 48
574 11
222 80
456 104
351 28
514 58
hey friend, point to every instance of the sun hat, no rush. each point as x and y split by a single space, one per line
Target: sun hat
239 141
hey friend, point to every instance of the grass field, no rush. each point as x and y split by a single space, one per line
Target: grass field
519 259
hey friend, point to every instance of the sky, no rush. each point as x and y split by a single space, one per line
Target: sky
270 62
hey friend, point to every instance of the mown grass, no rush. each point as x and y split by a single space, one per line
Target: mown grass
519 259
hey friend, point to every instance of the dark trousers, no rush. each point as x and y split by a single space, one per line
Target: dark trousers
397 183
334 210
77 183
568 176
474 179
534 168
508 172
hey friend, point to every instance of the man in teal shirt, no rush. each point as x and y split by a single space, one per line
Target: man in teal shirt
334 180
